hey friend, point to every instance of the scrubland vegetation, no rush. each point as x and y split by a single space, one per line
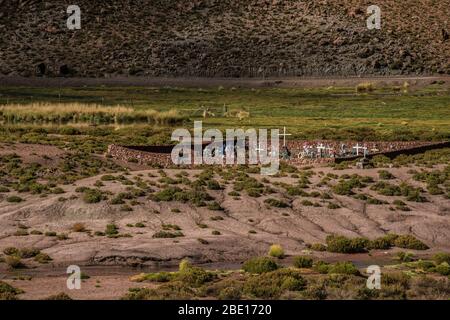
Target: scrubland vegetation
264 278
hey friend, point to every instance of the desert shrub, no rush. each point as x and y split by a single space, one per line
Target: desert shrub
174 290
14 199
230 293
13 262
60 296
386 189
315 292
26 253
405 256
318 247
425 265
341 244
168 234
271 285
395 278
213 185
259 265
111 230
159 277
333 206
303 262
184 265
276 203
441 257
195 276
409 242
385 175
443 269
203 241
3 189
78 227
365 87
42 258
216 233
11 251
108 177
276 251
343 268
307 203
381 243
50 234
8 292
321 267
92 196
214 206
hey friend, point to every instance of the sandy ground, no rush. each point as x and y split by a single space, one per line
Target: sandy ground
292 228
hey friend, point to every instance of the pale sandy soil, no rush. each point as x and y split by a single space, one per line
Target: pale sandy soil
292 228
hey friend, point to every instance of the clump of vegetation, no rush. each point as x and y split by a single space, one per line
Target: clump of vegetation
8 292
168 234
259 265
270 285
410 242
276 203
303 262
385 175
111 230
276 251
14 199
342 244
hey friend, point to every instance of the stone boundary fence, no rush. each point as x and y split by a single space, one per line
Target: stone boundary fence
160 156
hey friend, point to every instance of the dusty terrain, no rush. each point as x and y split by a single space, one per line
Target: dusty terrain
222 239
291 227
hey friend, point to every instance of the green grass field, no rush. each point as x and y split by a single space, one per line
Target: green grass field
326 113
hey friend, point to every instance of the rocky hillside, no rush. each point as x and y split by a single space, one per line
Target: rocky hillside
224 38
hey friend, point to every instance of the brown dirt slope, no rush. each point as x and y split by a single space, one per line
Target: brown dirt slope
226 38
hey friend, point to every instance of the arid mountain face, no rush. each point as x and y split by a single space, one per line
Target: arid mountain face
224 38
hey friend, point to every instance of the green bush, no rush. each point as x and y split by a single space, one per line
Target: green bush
214 206
14 199
276 203
276 251
92 196
318 247
42 258
260 265
341 244
343 268
271 285
168 234
410 242
195 277
321 267
111 230
385 175
441 257
303 262
443 269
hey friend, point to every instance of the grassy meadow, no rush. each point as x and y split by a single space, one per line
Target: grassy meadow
97 116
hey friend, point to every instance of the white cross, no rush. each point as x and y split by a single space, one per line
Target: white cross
284 134
358 147
258 148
